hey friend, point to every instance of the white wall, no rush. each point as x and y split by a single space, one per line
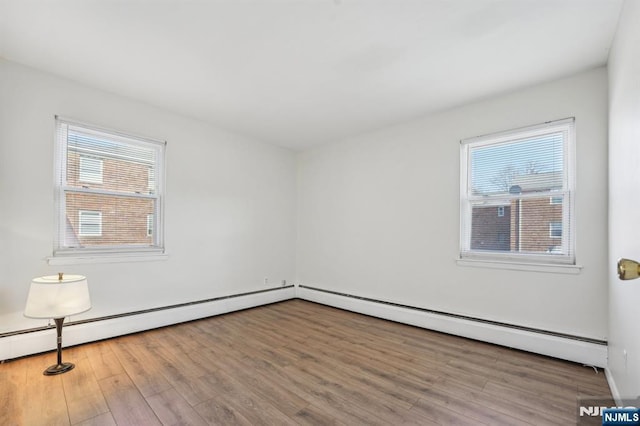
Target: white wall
379 214
624 213
230 202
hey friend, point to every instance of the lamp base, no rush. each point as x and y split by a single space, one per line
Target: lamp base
58 369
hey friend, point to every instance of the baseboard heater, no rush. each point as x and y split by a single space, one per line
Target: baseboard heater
35 340
560 345
580 349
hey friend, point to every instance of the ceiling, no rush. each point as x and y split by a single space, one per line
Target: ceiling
298 73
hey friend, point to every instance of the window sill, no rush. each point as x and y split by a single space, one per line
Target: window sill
106 258
520 266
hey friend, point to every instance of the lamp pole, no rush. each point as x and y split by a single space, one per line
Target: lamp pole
60 367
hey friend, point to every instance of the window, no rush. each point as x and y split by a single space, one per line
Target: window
529 174
109 191
89 223
501 211
555 230
90 169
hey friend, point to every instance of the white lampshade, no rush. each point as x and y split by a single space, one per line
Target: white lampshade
52 297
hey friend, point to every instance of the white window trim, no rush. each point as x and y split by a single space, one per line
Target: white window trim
111 254
518 261
106 258
514 265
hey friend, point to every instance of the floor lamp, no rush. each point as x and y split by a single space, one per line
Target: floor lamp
58 297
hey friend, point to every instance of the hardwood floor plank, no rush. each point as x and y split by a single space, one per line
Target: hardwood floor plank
350 392
529 397
390 389
172 409
141 366
442 415
464 407
531 412
216 412
276 392
105 419
248 403
43 396
312 415
126 403
343 410
195 391
83 394
103 361
12 377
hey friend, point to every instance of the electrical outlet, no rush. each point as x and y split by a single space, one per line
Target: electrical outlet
266 280
284 283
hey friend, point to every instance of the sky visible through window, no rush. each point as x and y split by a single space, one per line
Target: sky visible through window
494 167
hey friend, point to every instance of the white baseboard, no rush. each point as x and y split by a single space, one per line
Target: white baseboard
546 344
17 345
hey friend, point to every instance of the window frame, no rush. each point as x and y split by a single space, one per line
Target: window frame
64 254
568 257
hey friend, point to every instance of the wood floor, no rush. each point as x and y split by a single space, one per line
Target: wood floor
294 362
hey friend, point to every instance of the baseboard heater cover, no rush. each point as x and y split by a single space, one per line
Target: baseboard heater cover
36 340
573 348
579 349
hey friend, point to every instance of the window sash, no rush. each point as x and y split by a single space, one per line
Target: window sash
539 234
